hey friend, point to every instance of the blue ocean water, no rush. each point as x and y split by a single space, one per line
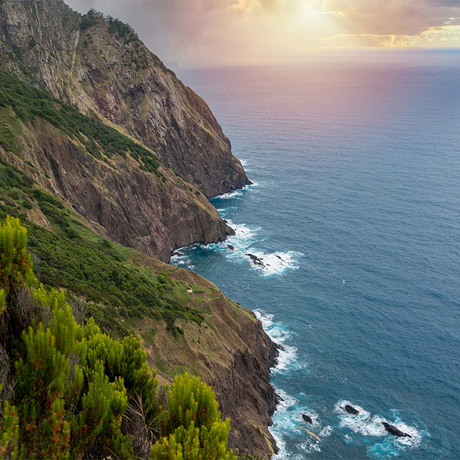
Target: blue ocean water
355 212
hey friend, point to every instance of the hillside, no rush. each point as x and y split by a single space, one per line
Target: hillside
100 66
185 322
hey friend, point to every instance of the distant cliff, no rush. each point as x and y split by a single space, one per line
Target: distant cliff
101 66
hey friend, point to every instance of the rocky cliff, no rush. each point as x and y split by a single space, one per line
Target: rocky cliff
185 322
118 186
101 171
99 65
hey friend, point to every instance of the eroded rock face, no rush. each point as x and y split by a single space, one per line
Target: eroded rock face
122 203
111 74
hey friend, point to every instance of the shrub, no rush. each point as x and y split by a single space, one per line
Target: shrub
77 390
192 427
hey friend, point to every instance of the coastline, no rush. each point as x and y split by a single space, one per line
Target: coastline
251 399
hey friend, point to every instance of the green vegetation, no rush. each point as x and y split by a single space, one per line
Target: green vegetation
123 33
7 137
192 427
117 28
89 20
74 258
121 30
99 140
78 392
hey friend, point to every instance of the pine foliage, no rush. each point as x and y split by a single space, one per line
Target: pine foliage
74 386
192 426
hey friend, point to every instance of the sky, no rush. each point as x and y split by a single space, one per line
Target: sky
197 33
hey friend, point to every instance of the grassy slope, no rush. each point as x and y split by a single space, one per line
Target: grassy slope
121 287
98 139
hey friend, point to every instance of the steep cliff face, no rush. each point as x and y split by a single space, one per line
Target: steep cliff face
128 205
133 200
102 67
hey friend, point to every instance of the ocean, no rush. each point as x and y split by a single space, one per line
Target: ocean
354 218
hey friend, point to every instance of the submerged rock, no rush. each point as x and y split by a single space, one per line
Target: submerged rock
351 410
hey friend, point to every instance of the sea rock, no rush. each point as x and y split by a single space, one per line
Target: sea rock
395 431
351 410
258 261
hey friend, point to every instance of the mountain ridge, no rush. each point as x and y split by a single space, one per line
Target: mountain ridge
99 65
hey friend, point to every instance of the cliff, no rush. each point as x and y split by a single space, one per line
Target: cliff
99 65
185 322
229 351
118 186
124 153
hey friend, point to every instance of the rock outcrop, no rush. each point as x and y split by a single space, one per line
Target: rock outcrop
99 65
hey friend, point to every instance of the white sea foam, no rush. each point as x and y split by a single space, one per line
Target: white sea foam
181 260
326 432
230 195
278 332
242 247
274 263
243 237
282 423
287 420
236 193
289 424
369 425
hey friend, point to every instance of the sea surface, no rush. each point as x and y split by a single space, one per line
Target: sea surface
355 213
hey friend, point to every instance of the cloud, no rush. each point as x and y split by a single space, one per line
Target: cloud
215 32
396 17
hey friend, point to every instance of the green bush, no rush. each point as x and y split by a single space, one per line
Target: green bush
75 386
191 426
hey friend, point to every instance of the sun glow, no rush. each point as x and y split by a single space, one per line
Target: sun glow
226 32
